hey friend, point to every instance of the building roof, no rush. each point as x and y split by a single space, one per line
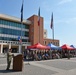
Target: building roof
50 39
12 18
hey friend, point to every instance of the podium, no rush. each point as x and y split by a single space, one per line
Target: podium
18 62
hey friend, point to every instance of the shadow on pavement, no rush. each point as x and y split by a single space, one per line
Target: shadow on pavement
8 71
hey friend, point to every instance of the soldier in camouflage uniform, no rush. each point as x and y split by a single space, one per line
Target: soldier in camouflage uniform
9 58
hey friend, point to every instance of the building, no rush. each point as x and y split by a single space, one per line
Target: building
45 33
10 30
35 31
47 41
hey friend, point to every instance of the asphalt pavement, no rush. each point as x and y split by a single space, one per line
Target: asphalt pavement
45 67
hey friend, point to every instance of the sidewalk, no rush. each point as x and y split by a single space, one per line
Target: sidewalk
2 55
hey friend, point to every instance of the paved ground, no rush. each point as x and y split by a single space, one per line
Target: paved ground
47 67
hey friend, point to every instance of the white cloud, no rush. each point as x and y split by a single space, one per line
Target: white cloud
64 1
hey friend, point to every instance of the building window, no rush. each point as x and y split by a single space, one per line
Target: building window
31 37
56 43
49 43
44 32
14 24
32 30
32 22
45 42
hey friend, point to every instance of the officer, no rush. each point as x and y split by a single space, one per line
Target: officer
9 58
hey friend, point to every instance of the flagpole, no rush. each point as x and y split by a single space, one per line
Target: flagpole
39 34
53 33
21 36
52 27
21 25
39 23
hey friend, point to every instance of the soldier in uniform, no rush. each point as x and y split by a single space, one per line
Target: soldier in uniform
9 58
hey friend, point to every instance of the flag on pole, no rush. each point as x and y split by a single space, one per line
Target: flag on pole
51 21
39 17
22 12
19 39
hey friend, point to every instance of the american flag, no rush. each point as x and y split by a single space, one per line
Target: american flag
19 39
39 17
51 21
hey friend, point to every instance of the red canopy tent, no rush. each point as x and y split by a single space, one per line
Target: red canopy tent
38 46
67 47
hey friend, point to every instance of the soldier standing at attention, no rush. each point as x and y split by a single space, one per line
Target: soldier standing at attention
9 58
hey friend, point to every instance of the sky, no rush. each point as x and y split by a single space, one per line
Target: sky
64 16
